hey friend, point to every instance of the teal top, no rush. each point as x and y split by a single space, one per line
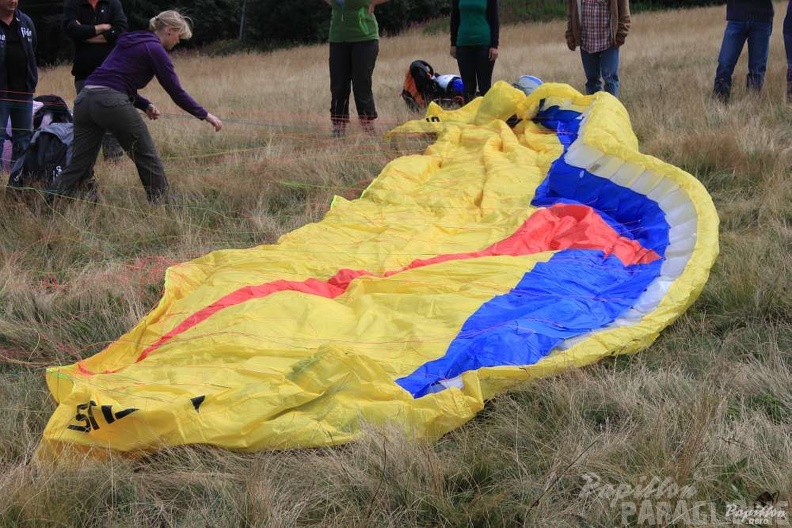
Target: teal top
474 30
351 22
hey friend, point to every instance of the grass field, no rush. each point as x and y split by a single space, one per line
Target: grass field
707 408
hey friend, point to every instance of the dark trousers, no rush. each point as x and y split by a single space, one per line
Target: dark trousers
788 45
99 110
110 147
475 68
352 65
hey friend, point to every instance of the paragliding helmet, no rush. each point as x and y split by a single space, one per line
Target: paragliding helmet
527 83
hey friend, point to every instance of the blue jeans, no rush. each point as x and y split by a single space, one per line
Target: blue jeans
737 33
18 108
601 66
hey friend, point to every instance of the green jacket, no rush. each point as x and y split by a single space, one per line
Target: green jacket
353 23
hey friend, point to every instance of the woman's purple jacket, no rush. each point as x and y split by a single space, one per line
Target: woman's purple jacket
138 57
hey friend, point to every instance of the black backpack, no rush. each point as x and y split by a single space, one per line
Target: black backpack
44 159
422 86
50 147
54 107
419 85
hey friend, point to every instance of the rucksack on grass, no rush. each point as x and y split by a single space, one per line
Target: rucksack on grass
422 86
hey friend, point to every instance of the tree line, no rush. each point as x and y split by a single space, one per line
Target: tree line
269 24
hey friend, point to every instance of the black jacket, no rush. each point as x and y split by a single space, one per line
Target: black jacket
79 21
27 34
749 10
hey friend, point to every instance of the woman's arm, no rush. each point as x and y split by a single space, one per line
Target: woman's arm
494 23
166 75
118 22
454 22
72 26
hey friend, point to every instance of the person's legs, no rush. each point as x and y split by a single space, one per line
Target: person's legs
591 67
85 147
484 68
364 58
758 51
5 107
466 60
110 147
20 114
114 112
340 84
609 66
734 38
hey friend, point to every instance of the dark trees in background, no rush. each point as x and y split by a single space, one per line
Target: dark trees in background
212 20
273 23
270 24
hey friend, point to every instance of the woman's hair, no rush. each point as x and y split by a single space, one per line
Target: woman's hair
172 19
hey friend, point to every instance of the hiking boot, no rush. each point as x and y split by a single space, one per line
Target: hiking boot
721 97
754 83
368 126
90 191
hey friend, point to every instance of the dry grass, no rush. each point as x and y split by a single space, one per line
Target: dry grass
708 406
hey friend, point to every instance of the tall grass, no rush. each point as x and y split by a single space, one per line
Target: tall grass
709 405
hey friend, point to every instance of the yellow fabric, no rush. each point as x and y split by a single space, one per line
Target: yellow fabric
295 370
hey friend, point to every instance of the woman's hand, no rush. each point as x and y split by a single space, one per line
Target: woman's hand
493 54
214 121
152 112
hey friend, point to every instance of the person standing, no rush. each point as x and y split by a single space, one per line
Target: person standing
599 28
354 46
94 26
475 32
751 21
788 48
18 75
110 97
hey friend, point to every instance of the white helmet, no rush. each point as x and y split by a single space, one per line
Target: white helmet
527 83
